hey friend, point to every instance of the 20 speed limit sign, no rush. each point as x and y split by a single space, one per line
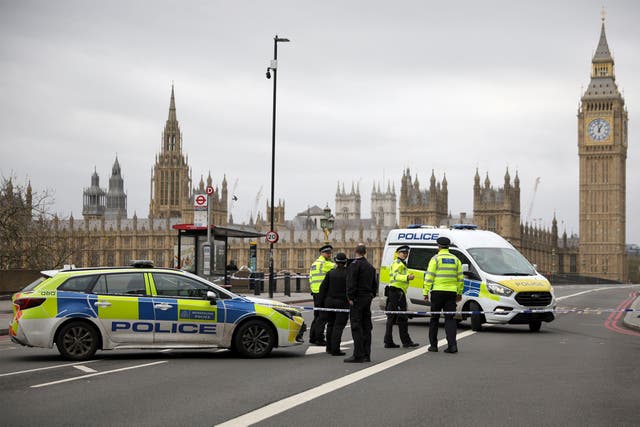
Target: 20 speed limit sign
272 236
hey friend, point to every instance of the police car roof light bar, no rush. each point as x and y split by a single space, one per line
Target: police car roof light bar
464 227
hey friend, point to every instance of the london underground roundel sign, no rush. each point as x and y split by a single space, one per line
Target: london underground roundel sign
272 236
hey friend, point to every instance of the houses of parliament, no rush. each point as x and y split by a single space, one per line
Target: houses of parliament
107 236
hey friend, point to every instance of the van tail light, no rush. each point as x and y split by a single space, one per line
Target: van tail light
25 303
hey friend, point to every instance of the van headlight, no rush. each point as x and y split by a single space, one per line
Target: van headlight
498 289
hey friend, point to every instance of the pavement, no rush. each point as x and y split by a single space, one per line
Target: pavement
631 319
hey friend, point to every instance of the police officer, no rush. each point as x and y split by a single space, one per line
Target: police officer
397 300
319 269
333 294
362 286
443 283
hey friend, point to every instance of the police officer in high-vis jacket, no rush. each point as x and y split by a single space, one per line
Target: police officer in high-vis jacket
319 269
397 299
443 283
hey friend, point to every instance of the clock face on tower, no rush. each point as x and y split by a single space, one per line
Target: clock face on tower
599 129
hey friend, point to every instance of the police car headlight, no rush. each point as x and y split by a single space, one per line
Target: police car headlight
288 312
498 289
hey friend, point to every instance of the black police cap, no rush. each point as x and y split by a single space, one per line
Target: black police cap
443 241
340 257
326 248
403 248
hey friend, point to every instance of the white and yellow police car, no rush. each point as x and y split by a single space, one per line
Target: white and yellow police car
84 310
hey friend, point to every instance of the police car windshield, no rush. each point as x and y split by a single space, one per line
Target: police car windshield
502 261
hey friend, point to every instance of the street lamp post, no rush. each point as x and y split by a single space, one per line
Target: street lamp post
274 68
326 223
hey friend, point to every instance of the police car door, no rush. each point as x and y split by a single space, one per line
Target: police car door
184 315
124 310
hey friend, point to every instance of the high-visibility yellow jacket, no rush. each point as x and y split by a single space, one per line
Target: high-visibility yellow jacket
444 273
399 275
319 269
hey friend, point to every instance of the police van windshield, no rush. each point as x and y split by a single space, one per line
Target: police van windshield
502 261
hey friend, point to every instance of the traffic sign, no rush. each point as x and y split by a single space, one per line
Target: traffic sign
272 236
200 201
209 190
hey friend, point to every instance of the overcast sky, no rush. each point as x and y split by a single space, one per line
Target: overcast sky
365 90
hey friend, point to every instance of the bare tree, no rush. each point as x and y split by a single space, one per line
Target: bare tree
30 233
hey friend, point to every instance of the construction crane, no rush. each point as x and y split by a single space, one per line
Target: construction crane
254 211
533 198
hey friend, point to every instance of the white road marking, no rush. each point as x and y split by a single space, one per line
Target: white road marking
594 290
84 369
96 374
43 369
306 396
316 349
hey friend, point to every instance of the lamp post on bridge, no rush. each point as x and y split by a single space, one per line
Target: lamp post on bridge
273 68
326 223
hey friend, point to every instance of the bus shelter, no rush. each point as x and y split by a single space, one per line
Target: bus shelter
194 254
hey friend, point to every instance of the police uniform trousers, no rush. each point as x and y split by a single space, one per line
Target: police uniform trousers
361 326
316 330
336 322
397 301
443 300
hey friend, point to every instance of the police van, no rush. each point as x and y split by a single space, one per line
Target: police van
500 285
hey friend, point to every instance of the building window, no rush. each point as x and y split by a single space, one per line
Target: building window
284 259
491 224
301 260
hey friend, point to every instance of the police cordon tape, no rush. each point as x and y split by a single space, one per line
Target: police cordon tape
469 312
425 313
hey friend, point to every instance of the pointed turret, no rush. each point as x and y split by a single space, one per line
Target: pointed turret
603 54
172 107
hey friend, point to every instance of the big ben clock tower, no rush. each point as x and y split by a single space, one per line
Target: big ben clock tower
602 149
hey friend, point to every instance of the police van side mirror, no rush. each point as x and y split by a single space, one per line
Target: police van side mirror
212 297
468 273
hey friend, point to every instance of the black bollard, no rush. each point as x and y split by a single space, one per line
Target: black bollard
253 283
298 284
287 284
259 282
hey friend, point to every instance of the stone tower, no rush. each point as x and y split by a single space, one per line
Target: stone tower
498 210
93 199
428 207
383 206
116 197
602 150
348 205
171 195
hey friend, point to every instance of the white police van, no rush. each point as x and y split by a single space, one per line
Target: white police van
500 285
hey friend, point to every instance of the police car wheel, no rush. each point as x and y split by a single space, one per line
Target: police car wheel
77 341
477 319
254 339
535 325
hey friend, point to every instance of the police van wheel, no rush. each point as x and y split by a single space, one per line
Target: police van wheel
535 325
254 339
477 319
77 341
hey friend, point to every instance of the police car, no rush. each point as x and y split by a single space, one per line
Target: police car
84 310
